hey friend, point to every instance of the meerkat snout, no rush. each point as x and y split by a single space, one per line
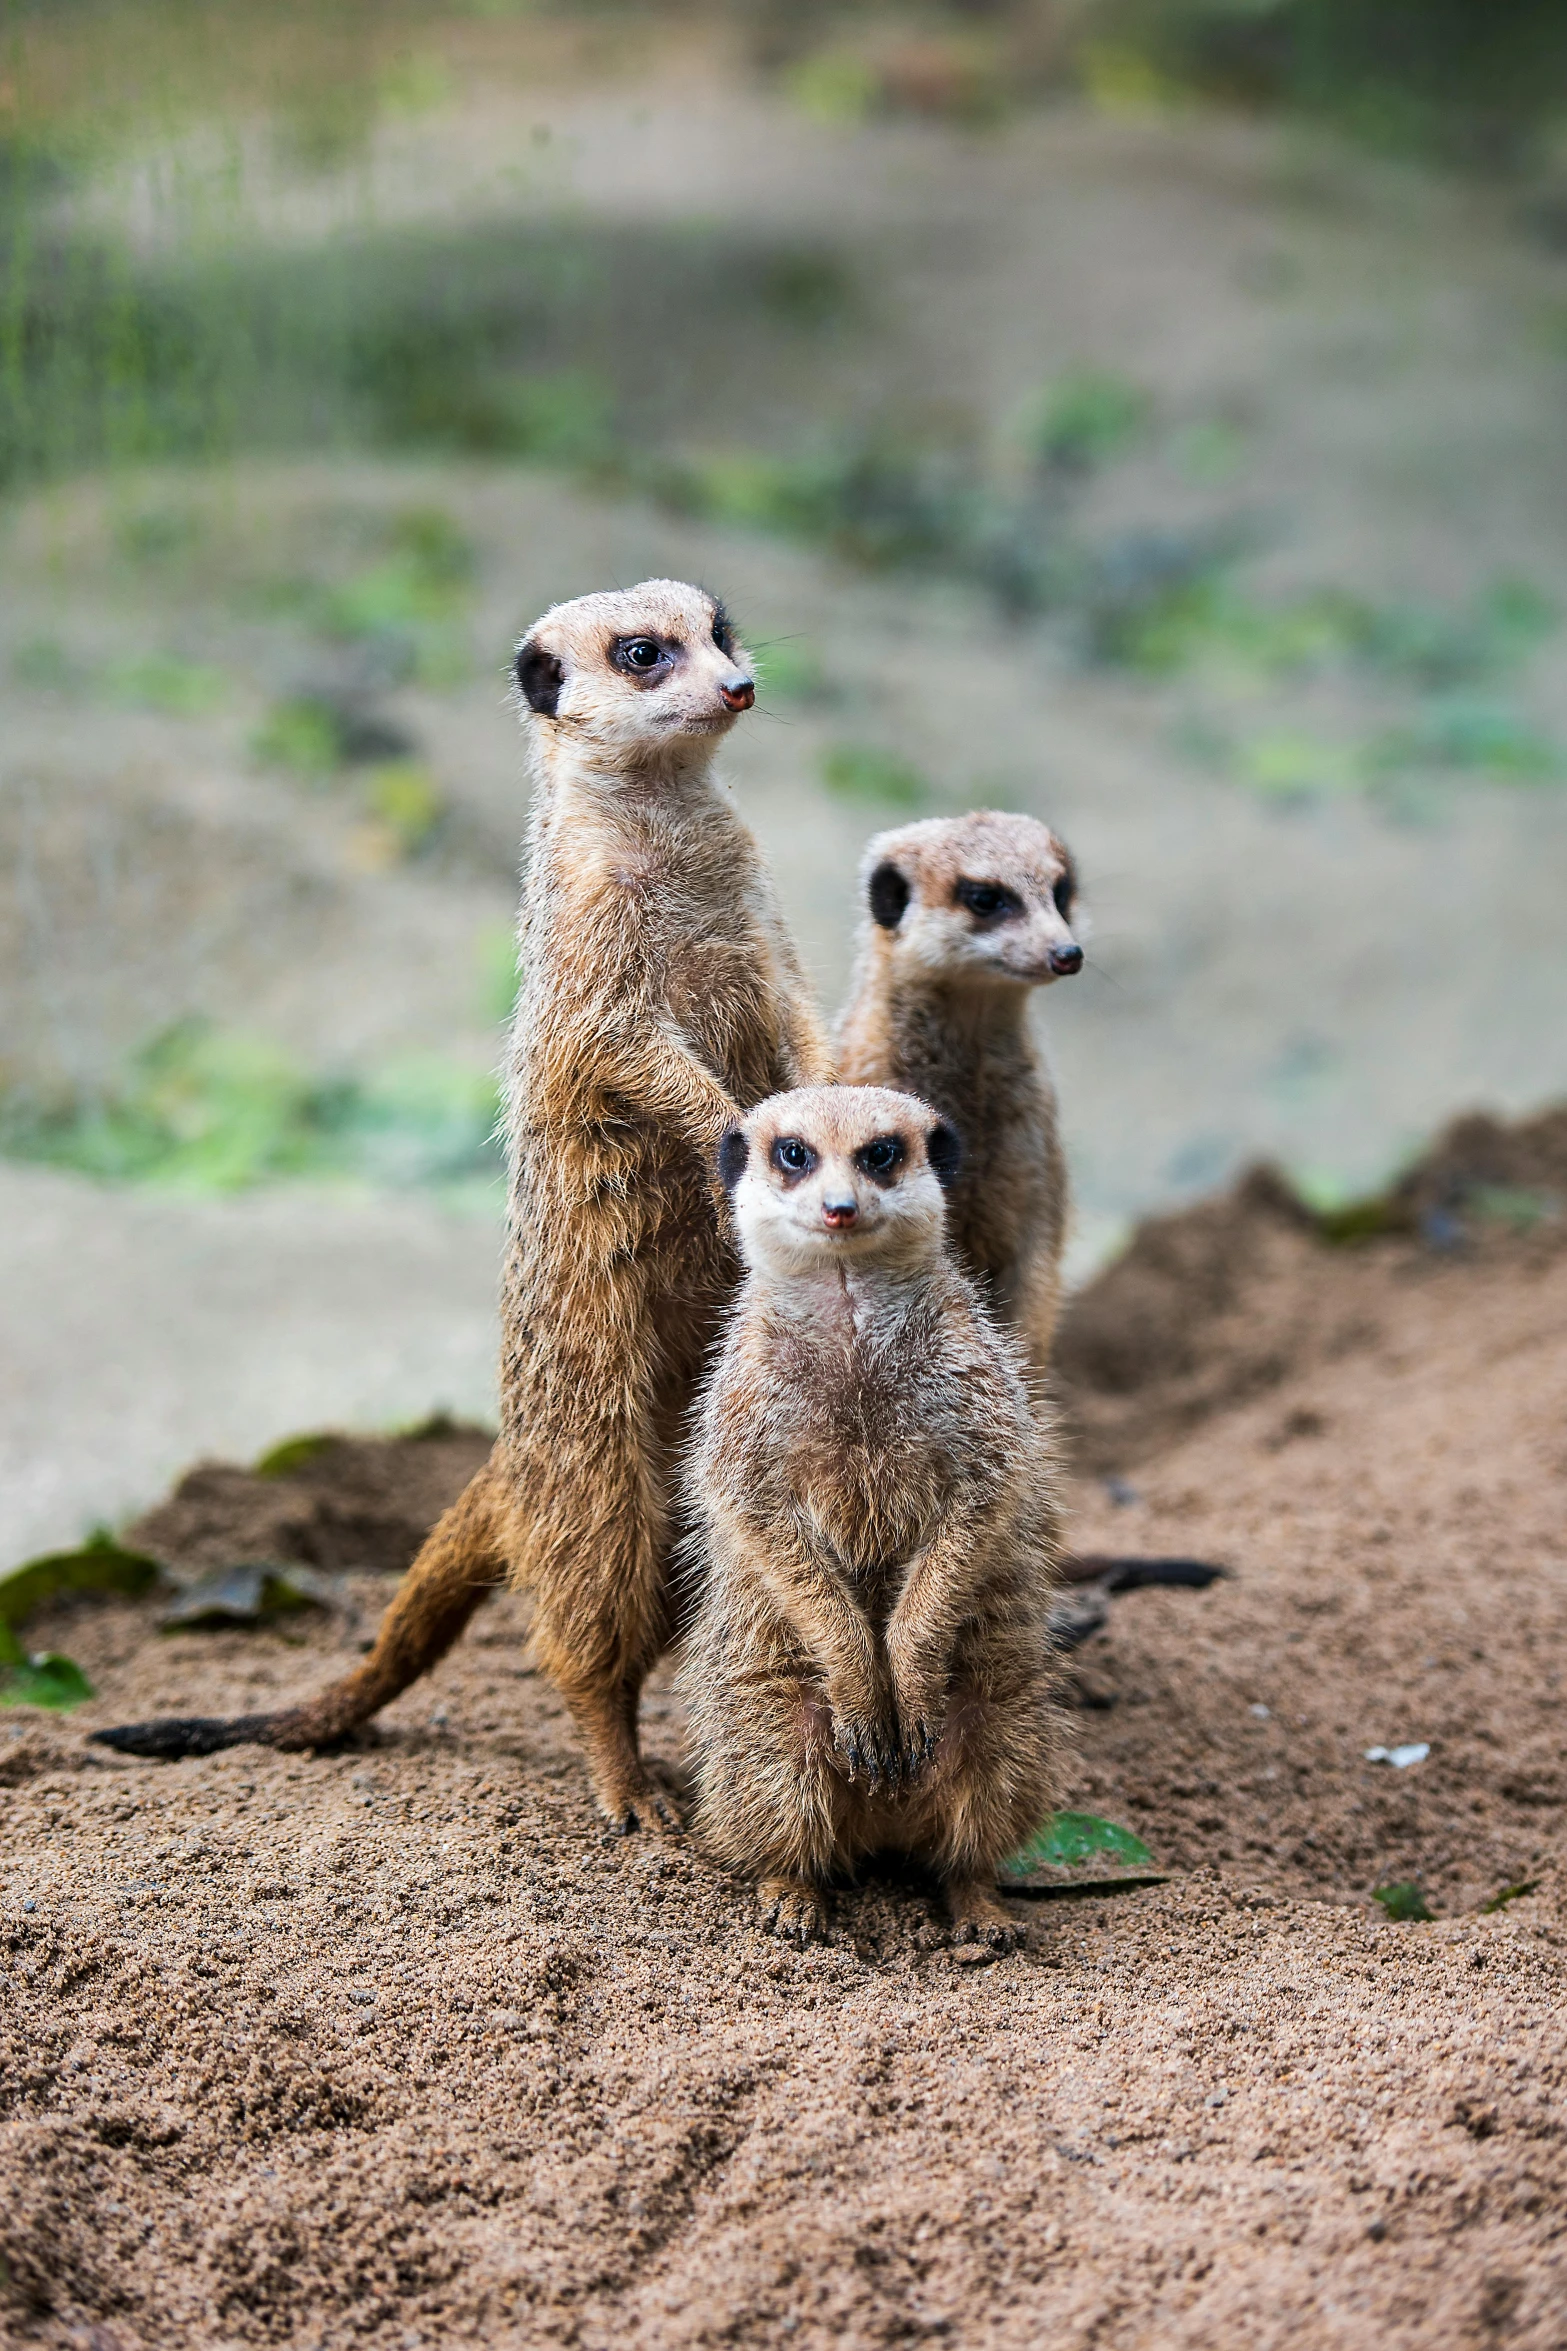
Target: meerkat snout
839 1171
987 899
637 673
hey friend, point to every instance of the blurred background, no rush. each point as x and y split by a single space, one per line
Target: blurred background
1147 413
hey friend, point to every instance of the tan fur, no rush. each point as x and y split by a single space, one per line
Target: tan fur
868 1666
660 996
939 1007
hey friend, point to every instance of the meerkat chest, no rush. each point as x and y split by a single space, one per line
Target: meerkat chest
708 952
869 1458
733 1012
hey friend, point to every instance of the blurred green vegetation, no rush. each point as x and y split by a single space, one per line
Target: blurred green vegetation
870 777
211 1110
1472 81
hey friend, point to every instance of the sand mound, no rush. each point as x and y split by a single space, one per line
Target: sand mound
1228 1300
324 1501
398 2043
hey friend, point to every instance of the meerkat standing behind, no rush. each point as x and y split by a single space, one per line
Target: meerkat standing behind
660 996
869 1664
964 916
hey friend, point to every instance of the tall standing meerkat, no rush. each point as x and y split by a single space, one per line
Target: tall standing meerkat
963 918
660 997
869 1666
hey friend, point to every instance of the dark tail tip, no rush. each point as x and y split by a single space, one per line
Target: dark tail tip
175 1735
1190 1575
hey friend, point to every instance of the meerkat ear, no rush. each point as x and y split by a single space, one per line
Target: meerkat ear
733 1152
541 676
887 895
945 1154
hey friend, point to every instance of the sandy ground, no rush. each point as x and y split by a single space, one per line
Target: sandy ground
397 2043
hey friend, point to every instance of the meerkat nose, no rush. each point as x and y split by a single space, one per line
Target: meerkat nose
840 1214
737 694
1063 960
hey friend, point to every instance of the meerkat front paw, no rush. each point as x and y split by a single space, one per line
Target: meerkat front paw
793 1910
921 1738
979 1916
864 1749
646 1808
922 1705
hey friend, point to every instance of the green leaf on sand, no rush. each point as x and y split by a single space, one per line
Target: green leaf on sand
50 1681
1509 1894
1403 1901
1067 1839
292 1454
101 1565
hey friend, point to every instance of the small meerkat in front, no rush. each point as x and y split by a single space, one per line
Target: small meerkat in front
868 1667
660 996
964 916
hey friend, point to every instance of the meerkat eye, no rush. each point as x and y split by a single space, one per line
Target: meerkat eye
881 1158
723 632
987 899
792 1158
639 656
1063 894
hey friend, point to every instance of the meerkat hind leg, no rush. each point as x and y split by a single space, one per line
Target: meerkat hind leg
623 1788
794 1909
980 1916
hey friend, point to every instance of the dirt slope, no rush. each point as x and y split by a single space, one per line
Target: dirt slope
396 2043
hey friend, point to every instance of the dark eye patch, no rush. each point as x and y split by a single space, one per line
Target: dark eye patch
646 659
1065 892
881 1158
989 901
887 896
792 1158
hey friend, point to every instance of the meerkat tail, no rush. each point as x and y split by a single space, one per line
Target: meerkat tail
1120 1572
462 1559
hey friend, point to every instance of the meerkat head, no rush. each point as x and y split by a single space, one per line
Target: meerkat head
839 1172
986 898
639 675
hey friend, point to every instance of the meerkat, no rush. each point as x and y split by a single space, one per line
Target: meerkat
868 1666
963 918
660 997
